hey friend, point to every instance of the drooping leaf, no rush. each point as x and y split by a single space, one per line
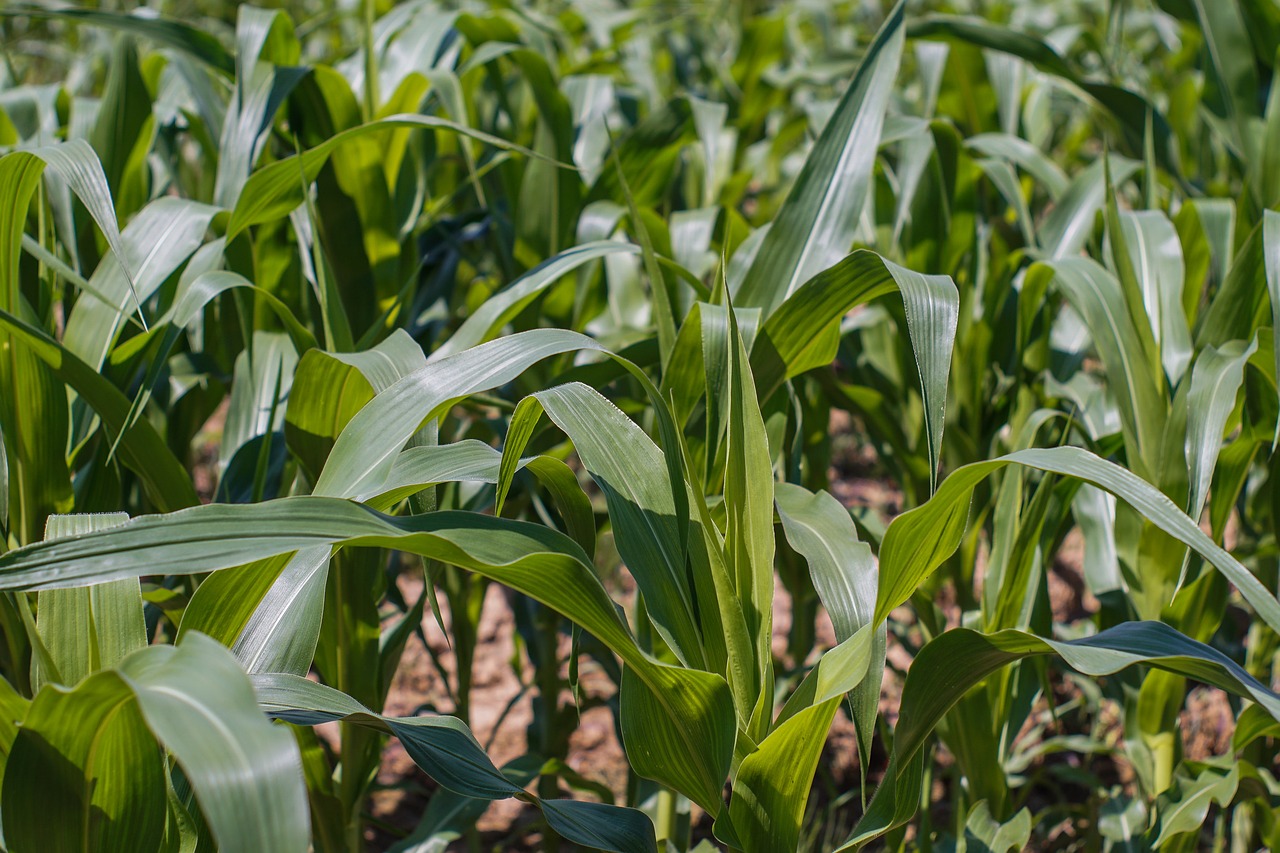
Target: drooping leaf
91 753
629 468
447 751
947 667
796 337
696 706
246 773
919 540
846 577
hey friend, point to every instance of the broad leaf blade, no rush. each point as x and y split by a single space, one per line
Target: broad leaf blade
90 628
84 773
947 667
919 540
817 222
529 558
246 773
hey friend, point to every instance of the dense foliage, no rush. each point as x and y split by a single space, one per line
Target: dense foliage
298 305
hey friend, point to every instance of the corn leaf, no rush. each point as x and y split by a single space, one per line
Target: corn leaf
274 190
87 752
772 786
694 706
796 337
447 751
166 31
84 772
846 577
959 659
91 628
919 540
817 222
501 307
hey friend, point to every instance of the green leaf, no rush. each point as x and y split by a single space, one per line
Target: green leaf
919 540
687 752
268 613
1253 723
166 31
1130 109
38 480
160 239
140 446
1183 808
84 773
365 451
36 431
630 470
846 577
794 338
843 568
1070 223
984 834
1025 156
947 667
696 707
500 308
274 190
1215 382
1144 321
772 785
124 122
91 628
87 753
1156 254
1238 271
259 390
838 671
601 826
1095 513
418 467
1096 295
1271 264
748 503
819 218
77 165
246 773
327 393
266 47
190 301
447 751
1231 58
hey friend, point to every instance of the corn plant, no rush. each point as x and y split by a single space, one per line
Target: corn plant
297 305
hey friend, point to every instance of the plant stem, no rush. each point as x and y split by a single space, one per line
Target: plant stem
666 817
549 693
